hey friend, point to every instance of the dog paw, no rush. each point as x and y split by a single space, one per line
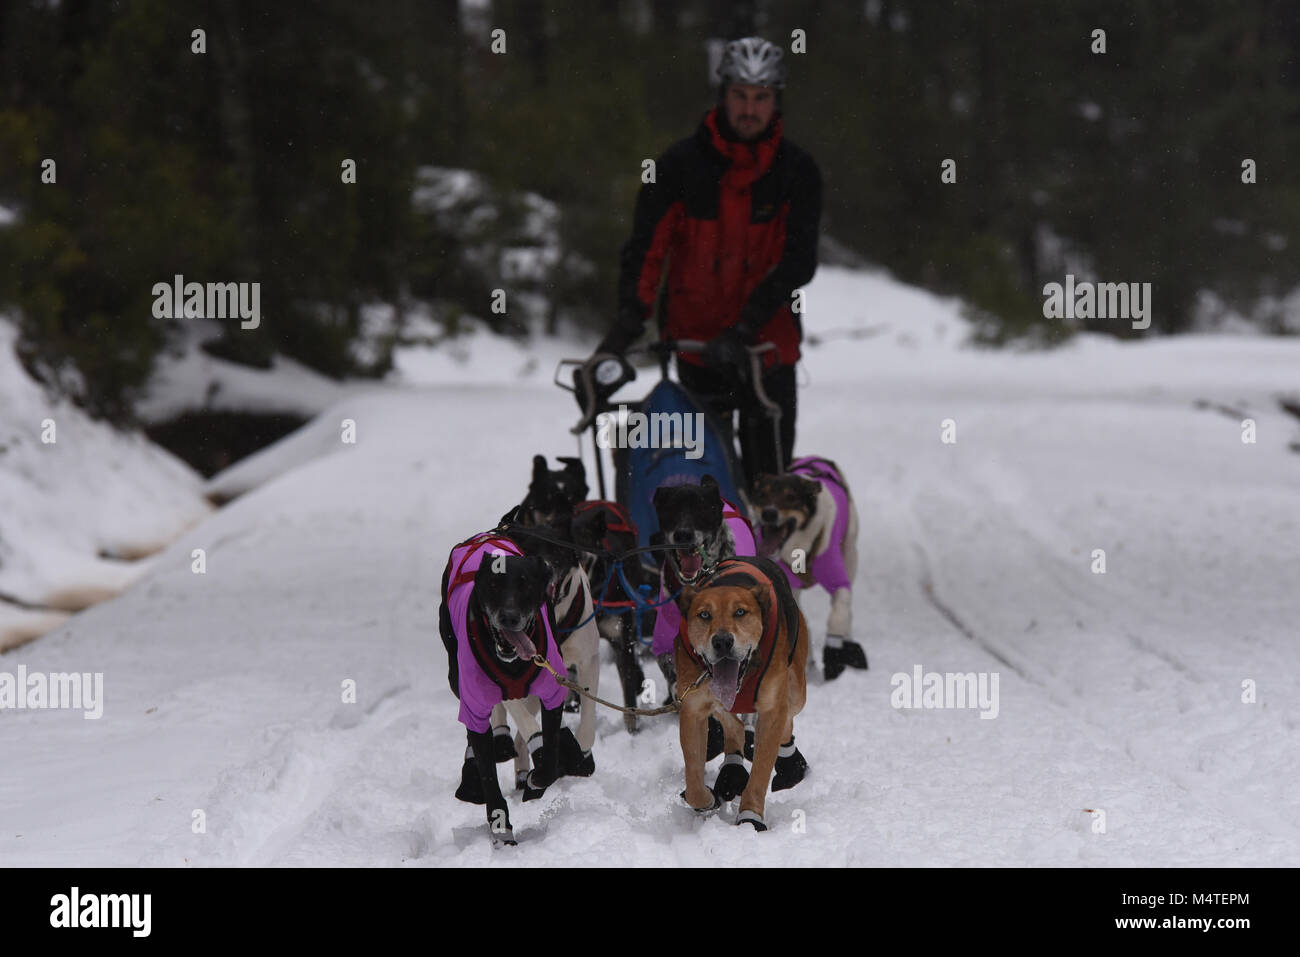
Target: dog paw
521 780
504 837
702 811
843 654
503 744
789 771
629 722
753 818
717 740
471 785
854 655
573 760
732 779
531 790
749 745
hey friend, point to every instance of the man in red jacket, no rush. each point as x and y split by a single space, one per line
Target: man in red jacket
732 217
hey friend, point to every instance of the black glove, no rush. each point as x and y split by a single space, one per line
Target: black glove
730 349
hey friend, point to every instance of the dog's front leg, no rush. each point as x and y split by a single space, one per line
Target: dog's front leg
546 759
630 674
498 815
522 711
767 744
840 622
694 732
732 777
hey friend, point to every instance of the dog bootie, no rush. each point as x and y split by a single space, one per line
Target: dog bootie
573 760
840 653
790 767
503 744
717 740
471 785
750 817
504 837
732 779
703 811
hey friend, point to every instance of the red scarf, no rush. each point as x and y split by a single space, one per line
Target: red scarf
749 161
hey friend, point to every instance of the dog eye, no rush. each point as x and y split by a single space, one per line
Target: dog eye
704 615
739 613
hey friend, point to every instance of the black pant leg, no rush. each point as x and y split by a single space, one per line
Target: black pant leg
757 441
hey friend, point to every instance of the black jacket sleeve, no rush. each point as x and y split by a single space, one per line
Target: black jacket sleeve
654 202
799 259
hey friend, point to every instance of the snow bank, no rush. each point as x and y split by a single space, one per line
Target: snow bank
77 510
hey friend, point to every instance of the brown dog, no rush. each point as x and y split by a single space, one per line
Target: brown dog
743 627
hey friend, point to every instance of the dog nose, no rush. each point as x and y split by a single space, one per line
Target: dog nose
512 621
723 642
769 516
683 538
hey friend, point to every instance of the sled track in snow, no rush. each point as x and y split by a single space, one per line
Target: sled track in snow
938 604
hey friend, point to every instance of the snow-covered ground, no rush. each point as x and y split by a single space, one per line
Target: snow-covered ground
80 504
1119 692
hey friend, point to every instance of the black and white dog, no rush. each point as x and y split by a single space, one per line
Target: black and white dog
806 519
494 621
579 640
547 510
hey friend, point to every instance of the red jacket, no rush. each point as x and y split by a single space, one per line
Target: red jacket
736 226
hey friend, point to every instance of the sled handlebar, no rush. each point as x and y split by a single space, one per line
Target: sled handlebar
586 374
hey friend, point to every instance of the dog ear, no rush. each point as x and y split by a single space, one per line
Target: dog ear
761 596
537 573
539 468
661 493
708 482
574 466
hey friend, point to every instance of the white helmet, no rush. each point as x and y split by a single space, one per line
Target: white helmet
752 60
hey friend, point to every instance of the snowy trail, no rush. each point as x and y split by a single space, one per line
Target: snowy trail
1120 692
1135 695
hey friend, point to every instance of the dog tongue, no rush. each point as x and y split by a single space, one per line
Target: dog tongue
690 562
725 683
523 646
769 540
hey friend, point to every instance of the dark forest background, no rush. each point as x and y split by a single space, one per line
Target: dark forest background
225 166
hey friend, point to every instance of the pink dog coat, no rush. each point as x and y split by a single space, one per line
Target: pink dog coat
827 569
483 683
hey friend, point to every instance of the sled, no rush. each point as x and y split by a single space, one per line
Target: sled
680 440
